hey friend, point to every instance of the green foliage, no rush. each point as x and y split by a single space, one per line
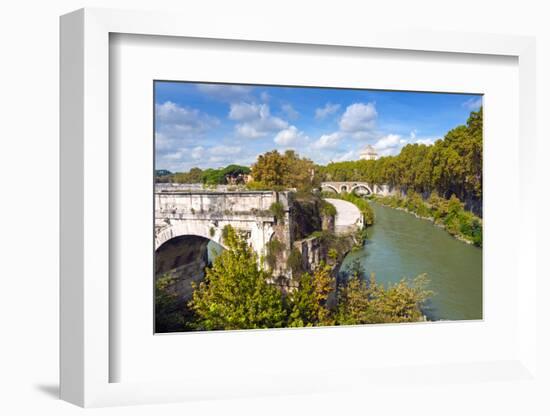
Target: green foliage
274 248
213 177
294 261
308 303
452 165
333 242
449 213
212 231
235 293
235 170
169 313
226 230
401 302
366 302
360 238
208 177
354 303
333 254
278 211
193 176
277 171
327 209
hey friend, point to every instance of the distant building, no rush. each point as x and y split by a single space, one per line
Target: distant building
368 153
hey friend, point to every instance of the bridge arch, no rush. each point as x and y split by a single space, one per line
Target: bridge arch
184 258
329 186
203 229
363 186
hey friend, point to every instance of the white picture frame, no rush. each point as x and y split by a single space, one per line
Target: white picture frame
85 211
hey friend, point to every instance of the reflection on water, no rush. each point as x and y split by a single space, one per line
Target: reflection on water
401 245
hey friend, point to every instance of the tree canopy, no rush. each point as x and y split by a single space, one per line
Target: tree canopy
287 170
208 176
453 165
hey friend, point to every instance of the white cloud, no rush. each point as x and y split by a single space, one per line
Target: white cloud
256 120
197 152
184 119
179 127
328 140
391 140
327 110
249 131
247 111
358 117
389 144
162 142
412 135
173 155
226 93
264 96
290 111
473 104
427 142
224 150
212 156
290 136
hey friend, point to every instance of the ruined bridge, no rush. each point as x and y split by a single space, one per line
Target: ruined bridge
355 187
187 219
203 213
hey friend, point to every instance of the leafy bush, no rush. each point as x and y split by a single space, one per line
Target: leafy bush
278 211
235 293
362 301
308 303
294 262
327 209
273 248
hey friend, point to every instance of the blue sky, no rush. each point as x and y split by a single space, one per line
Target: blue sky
213 125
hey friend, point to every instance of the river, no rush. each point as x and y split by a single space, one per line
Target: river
401 245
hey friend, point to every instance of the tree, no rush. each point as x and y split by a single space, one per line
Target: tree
288 170
170 314
213 177
452 165
367 302
400 302
235 293
308 303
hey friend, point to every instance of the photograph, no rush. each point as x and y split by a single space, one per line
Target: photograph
282 206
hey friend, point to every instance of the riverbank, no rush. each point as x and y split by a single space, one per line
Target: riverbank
448 214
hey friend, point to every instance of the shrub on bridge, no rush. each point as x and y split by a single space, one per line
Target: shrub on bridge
278 211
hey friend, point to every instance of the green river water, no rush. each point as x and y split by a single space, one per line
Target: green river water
401 245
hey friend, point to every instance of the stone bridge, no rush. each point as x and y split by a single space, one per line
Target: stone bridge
188 219
204 214
355 187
